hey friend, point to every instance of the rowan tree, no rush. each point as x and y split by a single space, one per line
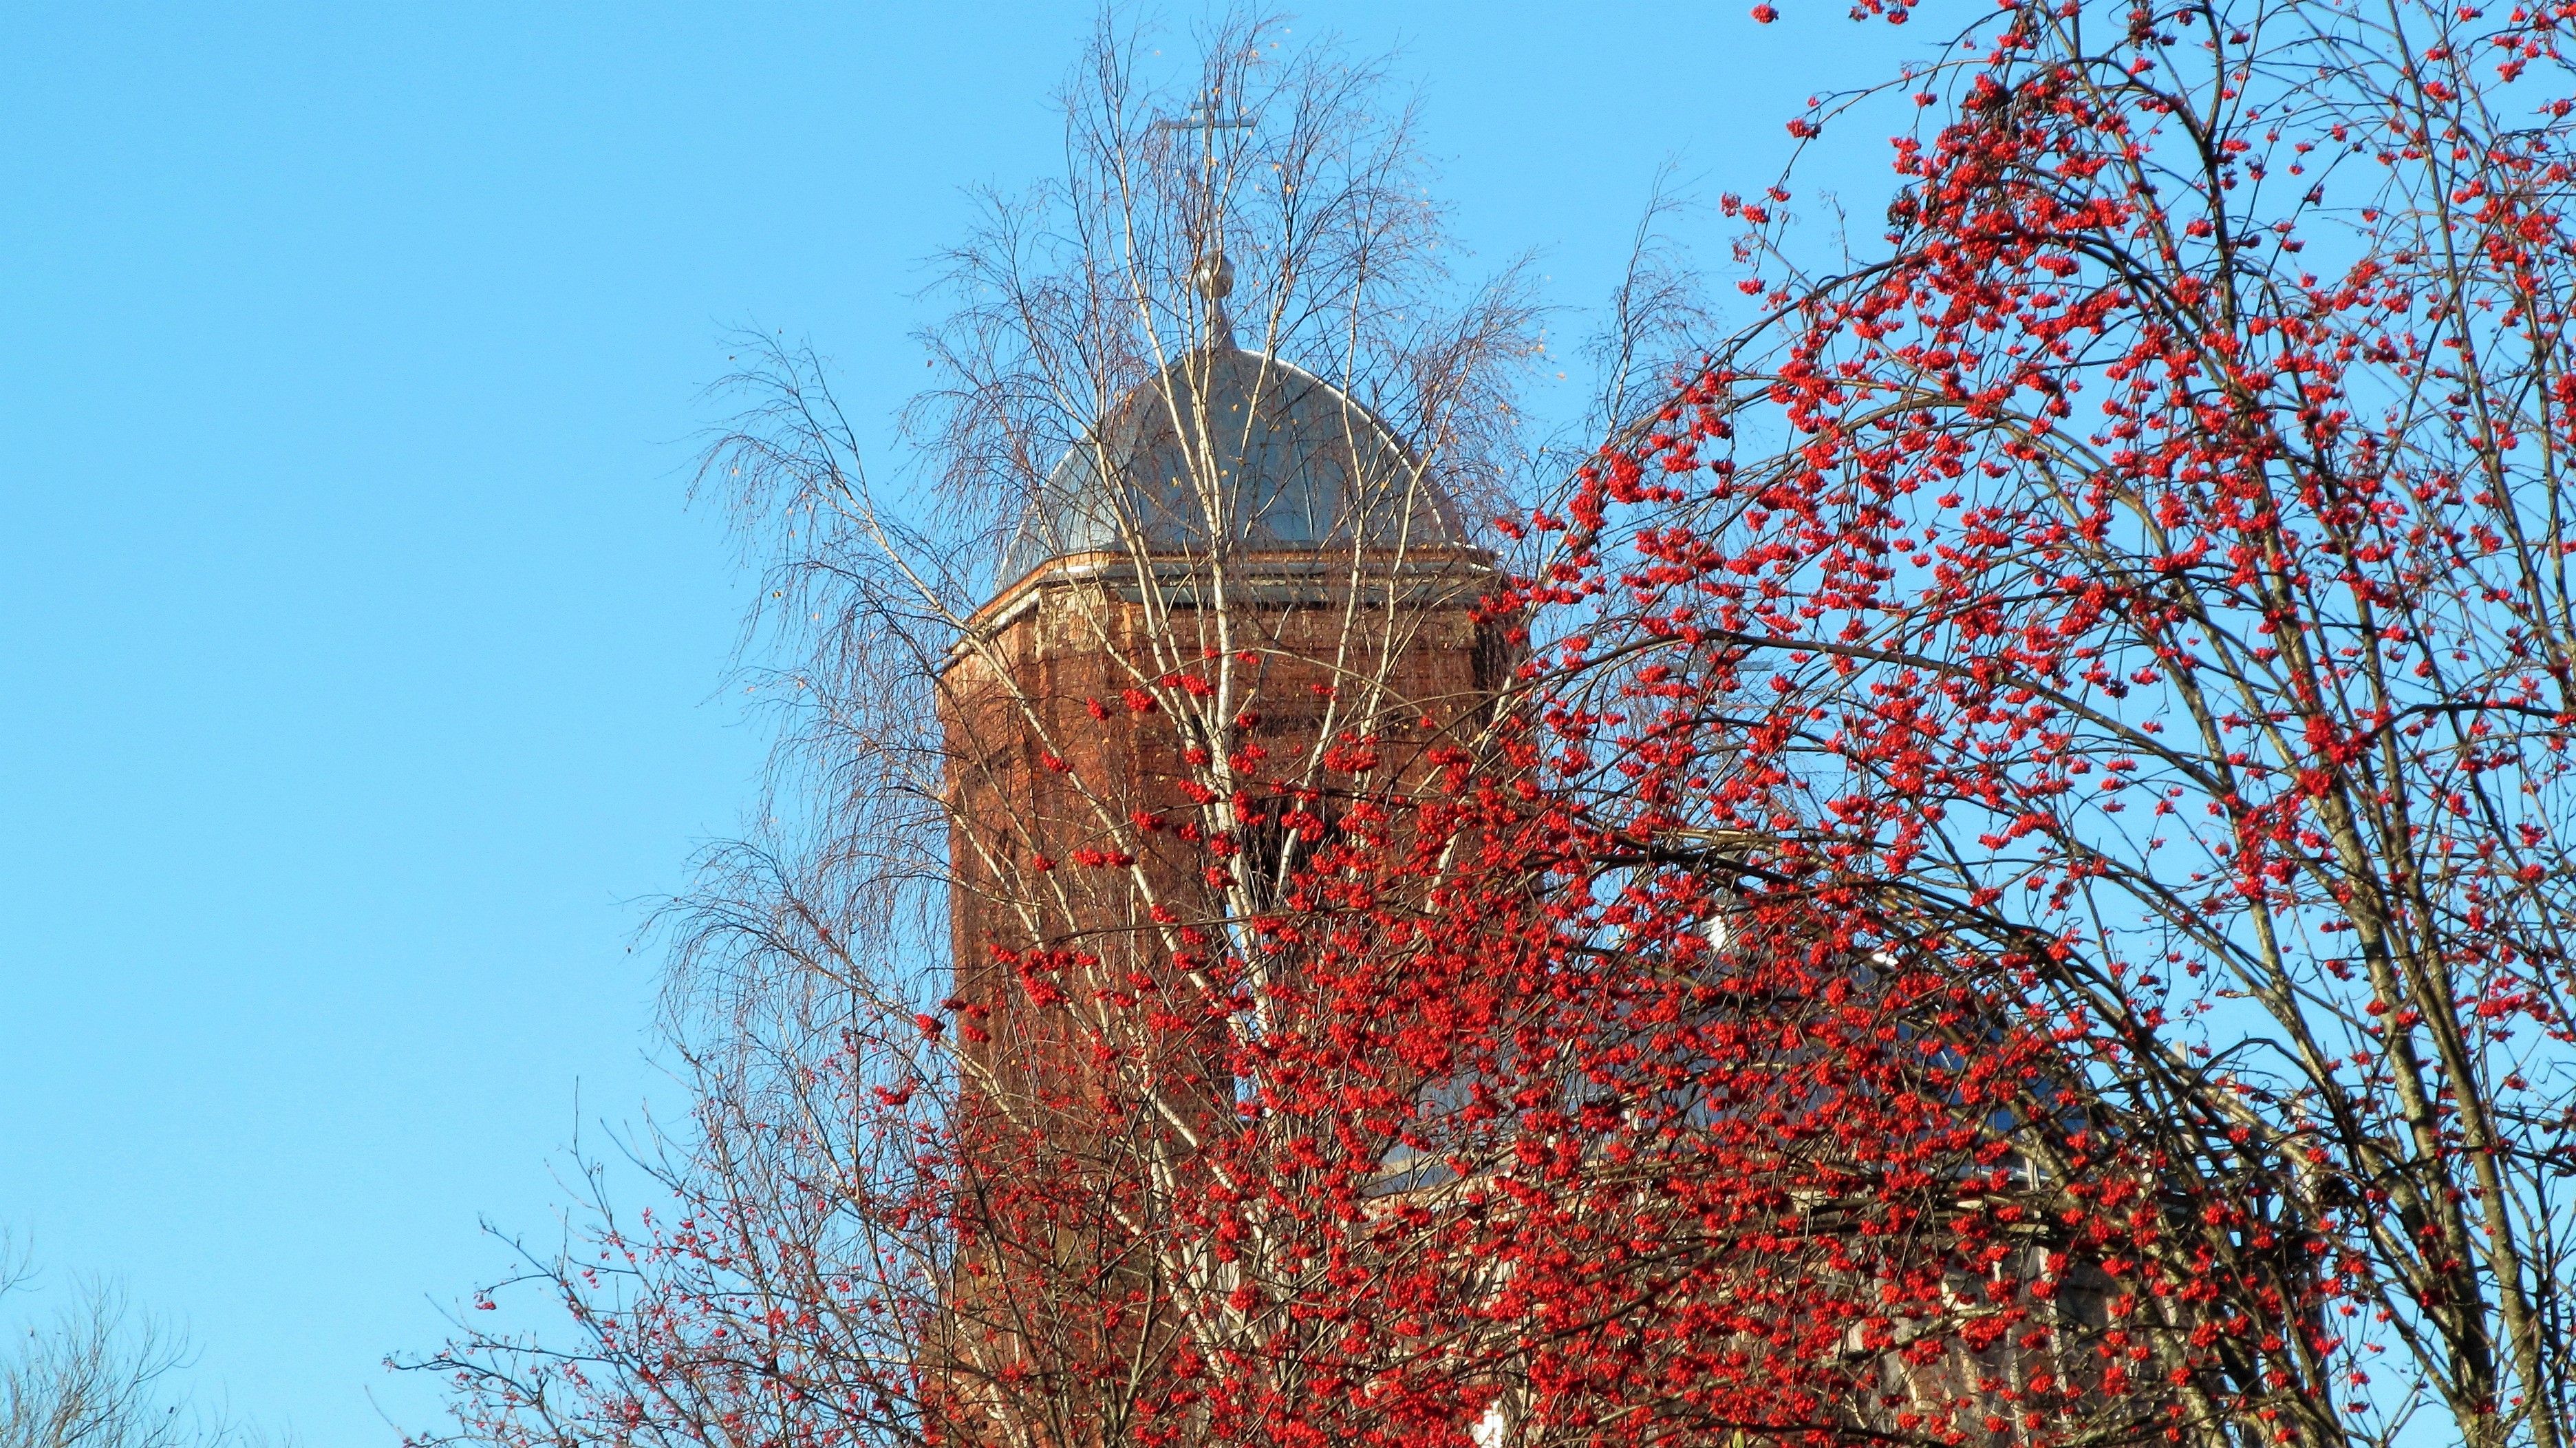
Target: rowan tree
1998 880
2145 583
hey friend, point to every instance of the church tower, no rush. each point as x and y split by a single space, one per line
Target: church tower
1241 591
1238 582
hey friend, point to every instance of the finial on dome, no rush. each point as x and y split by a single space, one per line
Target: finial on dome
1215 276
1214 279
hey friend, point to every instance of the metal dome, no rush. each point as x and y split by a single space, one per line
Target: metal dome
1296 466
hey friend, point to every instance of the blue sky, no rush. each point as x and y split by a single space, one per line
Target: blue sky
364 668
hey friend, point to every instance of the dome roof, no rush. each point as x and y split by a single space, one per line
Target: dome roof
1297 466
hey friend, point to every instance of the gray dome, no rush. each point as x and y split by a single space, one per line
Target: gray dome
1298 466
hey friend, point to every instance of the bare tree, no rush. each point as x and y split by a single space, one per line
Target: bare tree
1187 578
98 1374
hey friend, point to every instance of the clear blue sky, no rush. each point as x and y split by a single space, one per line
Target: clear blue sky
360 667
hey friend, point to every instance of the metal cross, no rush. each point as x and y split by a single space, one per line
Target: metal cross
1202 117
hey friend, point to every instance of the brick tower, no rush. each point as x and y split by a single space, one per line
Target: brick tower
1237 570
1239 567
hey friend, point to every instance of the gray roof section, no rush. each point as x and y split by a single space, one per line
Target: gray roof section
1295 465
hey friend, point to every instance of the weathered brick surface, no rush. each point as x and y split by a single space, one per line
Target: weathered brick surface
1373 652
1033 775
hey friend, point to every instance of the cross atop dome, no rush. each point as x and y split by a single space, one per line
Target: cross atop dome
1226 451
